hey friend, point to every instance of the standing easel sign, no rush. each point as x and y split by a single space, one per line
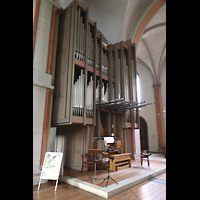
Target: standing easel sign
51 167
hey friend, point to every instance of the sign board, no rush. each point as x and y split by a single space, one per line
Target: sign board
51 166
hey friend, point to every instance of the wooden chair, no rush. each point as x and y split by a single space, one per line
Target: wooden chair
86 160
145 156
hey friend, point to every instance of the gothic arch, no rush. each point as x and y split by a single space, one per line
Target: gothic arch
145 19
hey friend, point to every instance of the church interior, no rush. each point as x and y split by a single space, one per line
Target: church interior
99 93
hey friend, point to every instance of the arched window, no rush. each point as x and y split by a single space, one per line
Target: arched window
138 88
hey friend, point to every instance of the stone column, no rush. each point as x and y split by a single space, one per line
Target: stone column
158 114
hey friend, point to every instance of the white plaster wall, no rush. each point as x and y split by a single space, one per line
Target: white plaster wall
41 80
42 36
39 95
52 139
148 112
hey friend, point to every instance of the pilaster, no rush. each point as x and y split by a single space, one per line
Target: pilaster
158 114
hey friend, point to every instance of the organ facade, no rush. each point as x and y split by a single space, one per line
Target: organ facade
88 74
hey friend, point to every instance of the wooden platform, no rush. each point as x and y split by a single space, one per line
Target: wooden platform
126 178
150 189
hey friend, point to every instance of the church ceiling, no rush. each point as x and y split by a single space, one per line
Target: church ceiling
151 48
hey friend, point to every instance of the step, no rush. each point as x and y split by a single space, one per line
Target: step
114 189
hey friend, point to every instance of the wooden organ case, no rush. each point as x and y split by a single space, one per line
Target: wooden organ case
89 72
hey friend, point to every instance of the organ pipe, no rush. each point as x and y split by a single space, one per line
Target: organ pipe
90 47
78 97
97 92
80 37
89 104
105 62
105 91
126 73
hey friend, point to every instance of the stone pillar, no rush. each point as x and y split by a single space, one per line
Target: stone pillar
158 114
44 129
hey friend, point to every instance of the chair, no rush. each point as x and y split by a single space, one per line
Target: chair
145 154
86 160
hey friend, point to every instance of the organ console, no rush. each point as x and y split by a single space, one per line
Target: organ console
119 160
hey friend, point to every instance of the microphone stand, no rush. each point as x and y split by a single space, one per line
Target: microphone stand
109 177
95 178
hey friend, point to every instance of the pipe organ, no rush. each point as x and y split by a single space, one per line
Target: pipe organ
87 73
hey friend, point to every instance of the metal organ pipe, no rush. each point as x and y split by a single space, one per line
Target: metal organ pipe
90 48
105 92
113 90
97 92
127 97
80 37
89 103
134 91
78 96
105 63
126 81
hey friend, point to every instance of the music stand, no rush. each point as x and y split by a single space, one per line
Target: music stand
95 152
109 177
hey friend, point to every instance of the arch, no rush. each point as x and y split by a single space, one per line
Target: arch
135 38
144 134
160 66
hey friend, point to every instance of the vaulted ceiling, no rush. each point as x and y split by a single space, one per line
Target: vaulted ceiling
121 19
151 48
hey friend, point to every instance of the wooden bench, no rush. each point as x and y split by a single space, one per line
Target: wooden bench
120 161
